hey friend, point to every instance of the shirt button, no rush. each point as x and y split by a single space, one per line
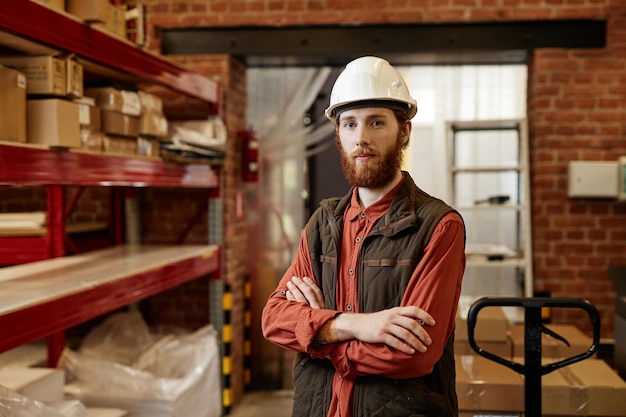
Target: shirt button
351 272
357 240
362 214
349 307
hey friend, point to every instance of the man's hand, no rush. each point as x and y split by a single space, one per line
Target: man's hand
305 290
401 328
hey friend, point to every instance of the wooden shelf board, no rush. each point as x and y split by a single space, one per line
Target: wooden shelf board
43 231
41 298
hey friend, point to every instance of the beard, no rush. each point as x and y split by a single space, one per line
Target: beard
375 173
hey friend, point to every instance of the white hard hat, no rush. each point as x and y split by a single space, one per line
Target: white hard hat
370 81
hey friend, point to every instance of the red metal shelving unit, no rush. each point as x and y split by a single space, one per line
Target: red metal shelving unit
32 21
47 312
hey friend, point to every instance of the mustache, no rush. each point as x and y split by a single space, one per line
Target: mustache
363 151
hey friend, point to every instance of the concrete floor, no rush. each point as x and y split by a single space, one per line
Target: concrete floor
264 404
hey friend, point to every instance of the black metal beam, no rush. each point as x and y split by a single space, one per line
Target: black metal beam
507 41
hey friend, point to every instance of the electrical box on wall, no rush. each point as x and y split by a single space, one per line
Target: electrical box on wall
597 179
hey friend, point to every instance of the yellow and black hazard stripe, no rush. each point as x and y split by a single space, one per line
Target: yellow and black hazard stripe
227 338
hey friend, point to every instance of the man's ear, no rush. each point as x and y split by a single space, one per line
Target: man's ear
405 133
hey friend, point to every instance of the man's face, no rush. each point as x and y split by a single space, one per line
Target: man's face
370 145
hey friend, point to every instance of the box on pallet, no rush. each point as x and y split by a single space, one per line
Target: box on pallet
54 122
586 388
12 105
550 346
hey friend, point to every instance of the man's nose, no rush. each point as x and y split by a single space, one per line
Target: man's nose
362 137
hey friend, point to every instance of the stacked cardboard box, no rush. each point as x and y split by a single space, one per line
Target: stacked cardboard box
152 124
91 135
51 117
101 14
120 111
586 388
12 105
492 332
54 122
552 347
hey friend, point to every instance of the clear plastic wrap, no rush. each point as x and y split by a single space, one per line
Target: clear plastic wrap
13 404
120 365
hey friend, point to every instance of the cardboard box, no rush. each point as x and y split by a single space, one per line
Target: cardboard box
492 325
491 332
45 74
74 78
12 105
585 388
551 347
53 4
148 146
484 385
40 384
90 10
53 122
150 102
92 140
90 116
119 124
117 24
152 124
110 98
119 145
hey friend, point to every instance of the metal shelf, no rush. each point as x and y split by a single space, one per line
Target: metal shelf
33 165
520 206
31 21
42 298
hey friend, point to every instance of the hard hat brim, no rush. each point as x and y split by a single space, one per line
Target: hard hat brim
332 112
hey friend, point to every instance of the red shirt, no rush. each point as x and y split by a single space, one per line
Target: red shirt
435 286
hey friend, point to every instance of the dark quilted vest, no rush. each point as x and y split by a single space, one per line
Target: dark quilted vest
388 258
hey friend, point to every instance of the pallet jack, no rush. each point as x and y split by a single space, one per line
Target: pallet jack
532 369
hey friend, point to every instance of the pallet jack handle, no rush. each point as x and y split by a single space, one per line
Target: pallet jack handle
533 369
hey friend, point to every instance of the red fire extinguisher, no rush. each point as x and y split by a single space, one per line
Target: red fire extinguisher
249 155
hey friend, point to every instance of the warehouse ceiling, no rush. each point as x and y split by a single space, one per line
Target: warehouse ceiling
402 44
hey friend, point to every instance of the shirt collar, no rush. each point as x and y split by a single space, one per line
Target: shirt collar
374 211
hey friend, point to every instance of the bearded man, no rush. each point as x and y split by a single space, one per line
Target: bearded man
369 302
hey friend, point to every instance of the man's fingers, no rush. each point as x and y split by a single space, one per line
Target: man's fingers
416 313
309 290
